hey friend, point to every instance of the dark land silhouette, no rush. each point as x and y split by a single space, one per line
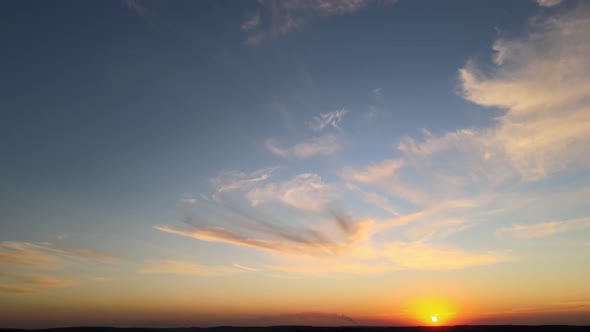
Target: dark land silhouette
469 328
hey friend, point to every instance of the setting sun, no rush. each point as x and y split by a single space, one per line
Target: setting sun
430 310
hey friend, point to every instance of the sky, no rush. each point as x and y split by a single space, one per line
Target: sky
352 162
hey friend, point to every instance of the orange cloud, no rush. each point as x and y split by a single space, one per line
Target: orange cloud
39 280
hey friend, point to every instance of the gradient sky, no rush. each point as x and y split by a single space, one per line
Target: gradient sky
198 163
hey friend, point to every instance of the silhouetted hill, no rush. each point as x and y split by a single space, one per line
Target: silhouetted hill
474 328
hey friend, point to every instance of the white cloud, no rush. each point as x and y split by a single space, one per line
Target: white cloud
384 176
544 229
318 146
541 84
188 199
329 119
304 191
232 180
549 3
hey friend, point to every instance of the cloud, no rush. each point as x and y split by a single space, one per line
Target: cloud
396 256
38 280
87 254
17 290
295 245
377 200
437 228
420 255
136 7
318 146
305 192
539 87
277 18
103 279
47 255
231 180
26 254
188 268
239 266
251 22
544 229
188 199
542 83
549 3
329 119
377 93
371 114
384 176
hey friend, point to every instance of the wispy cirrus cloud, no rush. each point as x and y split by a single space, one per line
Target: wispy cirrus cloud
276 18
329 119
252 22
192 269
324 233
138 8
420 255
11 289
549 3
384 176
26 254
294 245
544 229
230 180
324 145
305 192
47 255
38 280
443 182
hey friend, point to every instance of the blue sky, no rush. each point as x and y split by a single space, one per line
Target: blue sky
294 140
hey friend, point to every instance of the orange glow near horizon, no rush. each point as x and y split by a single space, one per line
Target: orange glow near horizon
432 311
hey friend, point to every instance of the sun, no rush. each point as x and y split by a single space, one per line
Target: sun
434 319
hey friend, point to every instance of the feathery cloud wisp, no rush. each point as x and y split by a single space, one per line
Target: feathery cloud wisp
304 191
277 18
549 3
17 290
189 268
47 255
544 229
318 146
38 280
329 119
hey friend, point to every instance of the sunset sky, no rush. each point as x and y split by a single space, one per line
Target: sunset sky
352 162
